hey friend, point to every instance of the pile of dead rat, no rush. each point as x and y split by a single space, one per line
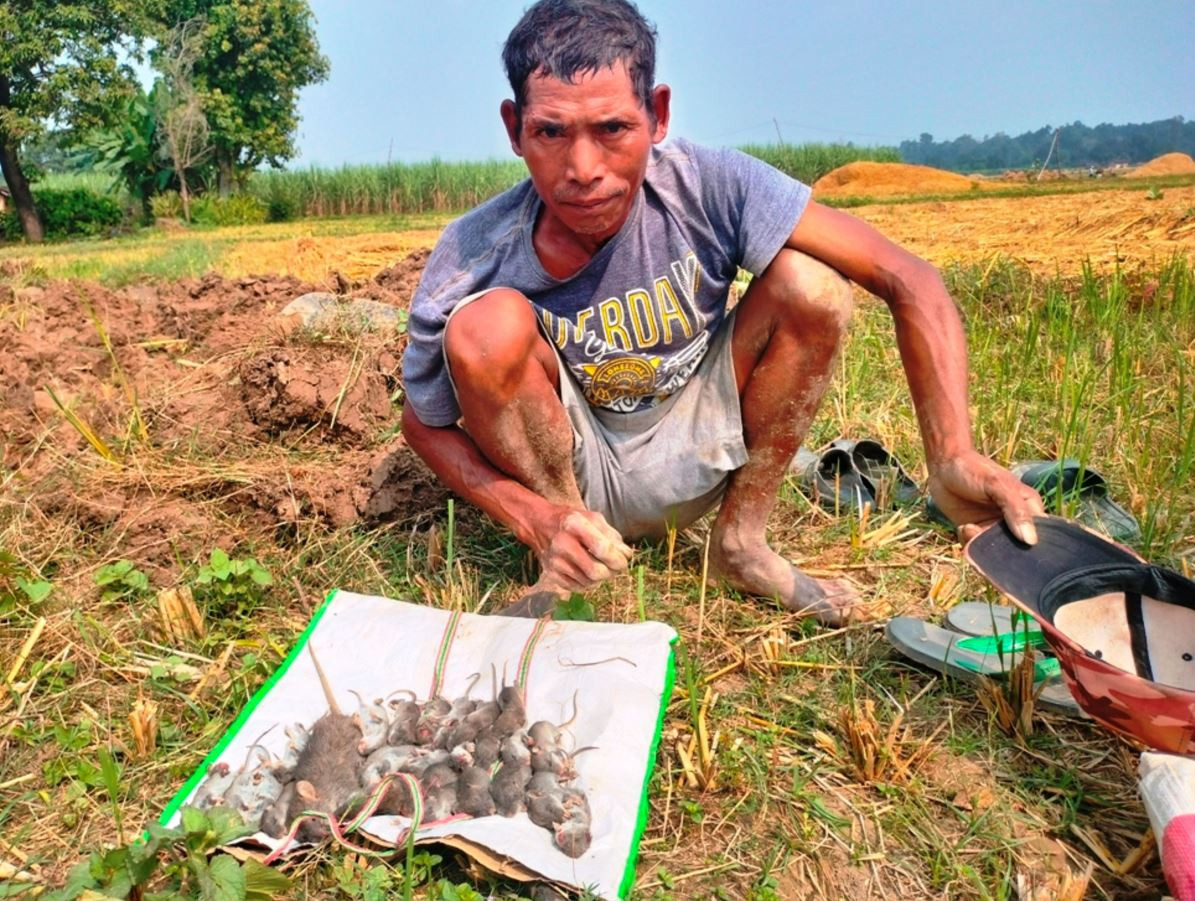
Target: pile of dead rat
468 758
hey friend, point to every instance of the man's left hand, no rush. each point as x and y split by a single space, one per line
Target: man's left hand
973 491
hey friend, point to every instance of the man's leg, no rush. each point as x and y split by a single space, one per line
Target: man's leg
787 332
506 382
506 378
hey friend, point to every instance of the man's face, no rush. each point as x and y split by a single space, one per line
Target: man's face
586 146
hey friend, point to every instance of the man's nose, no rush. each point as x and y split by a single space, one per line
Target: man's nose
585 161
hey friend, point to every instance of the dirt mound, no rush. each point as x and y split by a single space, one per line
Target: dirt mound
403 277
1166 164
304 387
242 420
867 179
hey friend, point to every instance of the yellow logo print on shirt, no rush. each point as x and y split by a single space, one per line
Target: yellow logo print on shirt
620 377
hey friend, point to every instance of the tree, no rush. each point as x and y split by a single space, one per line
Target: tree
182 124
60 64
131 148
255 56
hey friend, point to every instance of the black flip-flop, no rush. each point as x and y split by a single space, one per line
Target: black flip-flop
881 471
1069 488
831 478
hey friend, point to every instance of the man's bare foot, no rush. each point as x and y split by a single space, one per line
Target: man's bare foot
538 600
764 573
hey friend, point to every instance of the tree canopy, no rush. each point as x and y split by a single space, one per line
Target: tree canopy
255 56
61 64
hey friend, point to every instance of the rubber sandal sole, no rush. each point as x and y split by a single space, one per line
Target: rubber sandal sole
1068 487
946 652
998 622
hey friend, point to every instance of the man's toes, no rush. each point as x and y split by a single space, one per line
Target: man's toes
532 605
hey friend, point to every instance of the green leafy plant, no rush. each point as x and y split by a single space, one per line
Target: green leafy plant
232 586
238 209
175 862
119 580
19 586
1154 193
446 891
575 608
65 214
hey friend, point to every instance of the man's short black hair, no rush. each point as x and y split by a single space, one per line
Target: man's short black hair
564 39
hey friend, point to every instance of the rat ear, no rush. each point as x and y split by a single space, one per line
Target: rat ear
306 791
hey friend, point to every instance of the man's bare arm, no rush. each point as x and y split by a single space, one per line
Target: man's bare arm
969 487
576 548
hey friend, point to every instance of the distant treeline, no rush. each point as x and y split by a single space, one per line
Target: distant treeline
1078 145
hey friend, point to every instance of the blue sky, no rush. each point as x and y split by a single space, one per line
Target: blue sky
416 79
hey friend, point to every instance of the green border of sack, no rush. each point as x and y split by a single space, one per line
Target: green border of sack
628 875
177 801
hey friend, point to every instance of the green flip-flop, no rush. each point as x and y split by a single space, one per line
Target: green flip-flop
970 657
1009 627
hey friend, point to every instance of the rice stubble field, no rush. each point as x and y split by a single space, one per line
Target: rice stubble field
149 423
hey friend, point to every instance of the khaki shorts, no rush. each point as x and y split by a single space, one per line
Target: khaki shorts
664 466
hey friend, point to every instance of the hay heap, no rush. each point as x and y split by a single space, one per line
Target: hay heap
1166 164
888 180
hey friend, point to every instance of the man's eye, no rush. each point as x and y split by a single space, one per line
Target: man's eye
551 131
613 128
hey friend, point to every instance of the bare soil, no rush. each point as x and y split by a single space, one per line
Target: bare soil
248 420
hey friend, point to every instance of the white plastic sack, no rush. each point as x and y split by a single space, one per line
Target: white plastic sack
621 674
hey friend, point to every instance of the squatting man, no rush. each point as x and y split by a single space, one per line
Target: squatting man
574 372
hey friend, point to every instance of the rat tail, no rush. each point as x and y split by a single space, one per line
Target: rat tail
323 681
572 719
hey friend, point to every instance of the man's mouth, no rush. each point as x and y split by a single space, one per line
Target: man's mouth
590 203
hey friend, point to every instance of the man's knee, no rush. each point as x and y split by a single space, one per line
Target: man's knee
492 335
810 293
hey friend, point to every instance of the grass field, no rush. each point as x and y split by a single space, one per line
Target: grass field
796 762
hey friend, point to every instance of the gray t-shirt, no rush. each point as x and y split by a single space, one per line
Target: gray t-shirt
635 322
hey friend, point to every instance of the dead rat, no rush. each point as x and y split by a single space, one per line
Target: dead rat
545 800
513 716
543 734
557 761
386 760
273 819
328 770
211 792
514 750
439 803
473 793
486 748
404 717
296 735
508 788
254 788
374 723
428 758
431 718
573 837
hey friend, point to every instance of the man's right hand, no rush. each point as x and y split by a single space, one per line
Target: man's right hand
578 549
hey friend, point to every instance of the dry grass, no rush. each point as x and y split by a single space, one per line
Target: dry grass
796 762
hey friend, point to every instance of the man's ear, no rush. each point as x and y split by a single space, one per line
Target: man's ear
510 118
661 97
